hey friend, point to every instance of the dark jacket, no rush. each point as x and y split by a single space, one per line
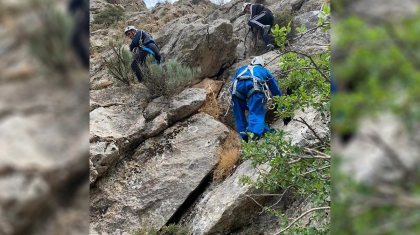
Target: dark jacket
146 39
256 9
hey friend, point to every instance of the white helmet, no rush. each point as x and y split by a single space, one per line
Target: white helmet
129 28
244 6
258 60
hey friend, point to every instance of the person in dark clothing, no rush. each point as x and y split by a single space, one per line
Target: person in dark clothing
142 44
80 36
262 19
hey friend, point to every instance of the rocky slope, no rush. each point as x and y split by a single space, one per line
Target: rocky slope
151 160
43 132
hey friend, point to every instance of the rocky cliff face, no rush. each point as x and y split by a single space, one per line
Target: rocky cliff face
151 160
43 133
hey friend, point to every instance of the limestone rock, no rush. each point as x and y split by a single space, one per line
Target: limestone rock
300 134
315 42
178 107
367 162
115 130
196 44
225 208
149 187
136 96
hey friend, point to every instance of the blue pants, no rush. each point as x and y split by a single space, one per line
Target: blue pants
256 110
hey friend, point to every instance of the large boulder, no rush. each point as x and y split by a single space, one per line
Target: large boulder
42 130
210 46
177 107
127 96
226 207
314 42
368 161
149 187
300 134
117 127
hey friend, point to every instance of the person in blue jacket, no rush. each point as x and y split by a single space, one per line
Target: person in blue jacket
262 19
249 88
142 44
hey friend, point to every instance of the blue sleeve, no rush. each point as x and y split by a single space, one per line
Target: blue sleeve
236 74
272 84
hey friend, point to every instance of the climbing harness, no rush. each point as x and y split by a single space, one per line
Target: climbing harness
259 85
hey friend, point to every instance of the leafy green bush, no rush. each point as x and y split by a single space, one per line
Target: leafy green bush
51 44
109 16
119 63
377 69
167 79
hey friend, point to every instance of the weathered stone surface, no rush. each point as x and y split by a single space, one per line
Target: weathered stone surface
157 125
226 207
114 130
102 155
136 96
70 217
42 126
150 186
315 42
20 194
116 122
93 173
384 10
211 86
366 161
178 107
300 134
196 44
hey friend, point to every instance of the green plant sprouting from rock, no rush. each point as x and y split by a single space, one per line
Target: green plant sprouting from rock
118 63
51 44
167 79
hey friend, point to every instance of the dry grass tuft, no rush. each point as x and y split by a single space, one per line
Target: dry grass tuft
229 156
210 106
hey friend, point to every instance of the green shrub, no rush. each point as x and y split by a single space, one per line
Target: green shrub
118 63
167 79
174 229
109 16
51 44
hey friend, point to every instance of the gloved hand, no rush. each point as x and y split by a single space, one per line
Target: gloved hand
287 120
